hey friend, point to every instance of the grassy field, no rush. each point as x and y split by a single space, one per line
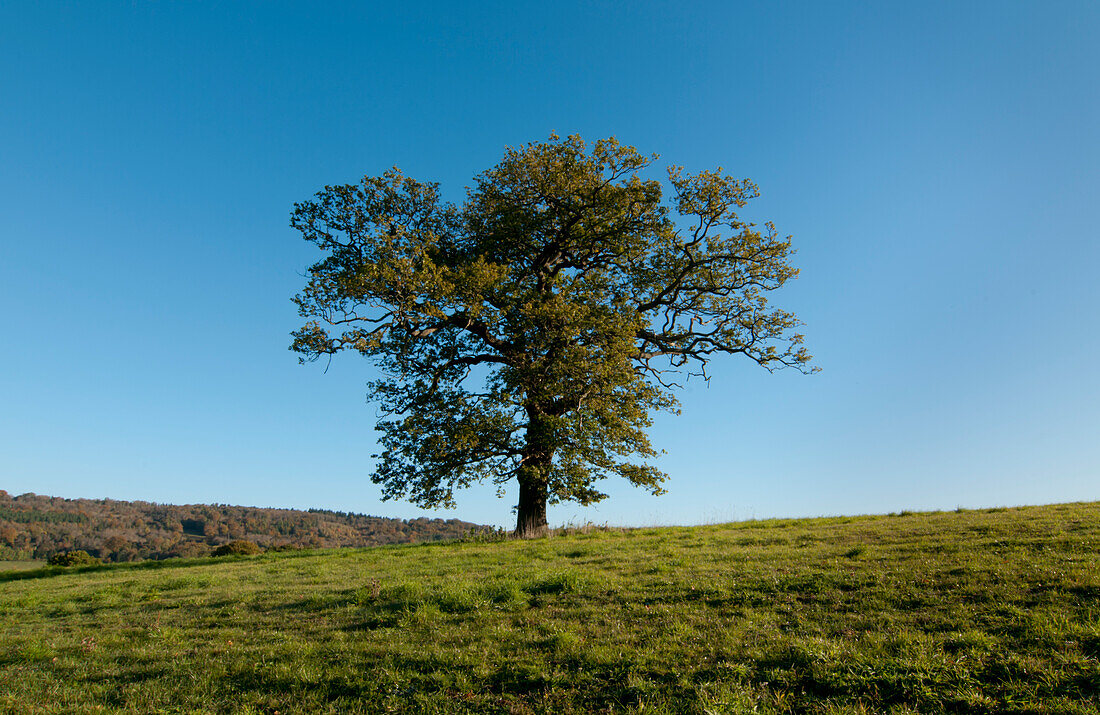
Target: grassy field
965 612
20 565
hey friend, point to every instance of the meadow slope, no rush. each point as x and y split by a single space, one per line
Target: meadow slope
992 611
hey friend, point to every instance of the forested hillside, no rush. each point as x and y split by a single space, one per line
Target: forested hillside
36 527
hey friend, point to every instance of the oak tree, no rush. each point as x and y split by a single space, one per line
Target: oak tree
530 332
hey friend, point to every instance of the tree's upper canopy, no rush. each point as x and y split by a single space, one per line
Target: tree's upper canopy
549 313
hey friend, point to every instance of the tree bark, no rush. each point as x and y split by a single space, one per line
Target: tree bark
531 510
534 475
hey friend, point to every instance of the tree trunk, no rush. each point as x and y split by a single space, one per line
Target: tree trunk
534 475
531 511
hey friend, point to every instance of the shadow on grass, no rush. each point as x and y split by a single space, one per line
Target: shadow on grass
595 687
136 676
325 688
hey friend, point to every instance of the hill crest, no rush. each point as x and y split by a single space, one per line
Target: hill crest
34 526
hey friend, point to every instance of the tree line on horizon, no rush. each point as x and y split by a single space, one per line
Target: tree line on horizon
34 526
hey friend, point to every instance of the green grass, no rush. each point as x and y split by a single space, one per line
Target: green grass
20 565
971 612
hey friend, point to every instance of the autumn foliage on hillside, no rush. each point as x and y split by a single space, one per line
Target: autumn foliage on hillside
35 526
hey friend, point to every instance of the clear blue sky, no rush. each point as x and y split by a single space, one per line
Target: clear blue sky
937 163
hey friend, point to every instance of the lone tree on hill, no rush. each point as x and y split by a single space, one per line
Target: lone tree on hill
530 332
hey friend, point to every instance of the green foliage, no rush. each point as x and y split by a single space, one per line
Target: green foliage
530 332
74 558
485 534
27 516
765 616
238 548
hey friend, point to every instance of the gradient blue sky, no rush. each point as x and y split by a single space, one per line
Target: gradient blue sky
937 163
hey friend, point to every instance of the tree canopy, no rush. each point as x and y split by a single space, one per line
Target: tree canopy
531 332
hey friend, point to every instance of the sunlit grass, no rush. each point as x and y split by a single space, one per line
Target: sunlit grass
20 565
969 612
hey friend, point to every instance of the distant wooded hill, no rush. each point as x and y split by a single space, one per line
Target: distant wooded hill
35 526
